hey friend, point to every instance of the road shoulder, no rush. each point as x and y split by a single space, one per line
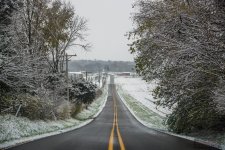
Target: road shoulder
96 108
146 124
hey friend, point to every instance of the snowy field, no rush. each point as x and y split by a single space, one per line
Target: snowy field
142 92
14 130
137 96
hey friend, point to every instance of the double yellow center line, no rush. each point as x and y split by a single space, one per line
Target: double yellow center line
115 125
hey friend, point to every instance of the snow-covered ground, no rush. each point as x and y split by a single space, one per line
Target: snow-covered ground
142 92
136 94
15 130
141 112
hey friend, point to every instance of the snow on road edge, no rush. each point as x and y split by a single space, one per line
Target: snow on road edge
164 131
23 140
102 106
36 137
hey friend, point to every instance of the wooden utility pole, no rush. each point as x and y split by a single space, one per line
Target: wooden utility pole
99 77
67 75
86 73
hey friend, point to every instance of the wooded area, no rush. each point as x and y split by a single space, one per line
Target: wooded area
34 38
180 44
99 65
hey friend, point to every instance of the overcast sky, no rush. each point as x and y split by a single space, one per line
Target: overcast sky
108 22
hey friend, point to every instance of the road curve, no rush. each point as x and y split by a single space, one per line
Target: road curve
114 129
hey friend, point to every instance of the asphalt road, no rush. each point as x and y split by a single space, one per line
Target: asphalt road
114 129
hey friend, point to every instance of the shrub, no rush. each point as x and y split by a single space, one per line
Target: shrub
82 91
64 110
98 93
6 98
77 108
36 108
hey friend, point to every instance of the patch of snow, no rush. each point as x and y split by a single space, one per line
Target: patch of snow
152 126
139 90
104 103
95 108
19 130
142 92
147 124
23 140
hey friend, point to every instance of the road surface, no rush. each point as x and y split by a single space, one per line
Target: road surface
114 129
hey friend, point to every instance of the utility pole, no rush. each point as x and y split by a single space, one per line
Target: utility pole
86 74
99 78
67 75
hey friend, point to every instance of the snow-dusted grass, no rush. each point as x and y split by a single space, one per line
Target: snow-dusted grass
12 127
94 108
141 112
136 94
141 91
14 130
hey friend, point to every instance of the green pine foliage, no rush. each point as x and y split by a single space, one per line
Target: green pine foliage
82 92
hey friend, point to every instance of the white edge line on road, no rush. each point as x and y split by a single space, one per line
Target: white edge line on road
167 132
101 108
17 142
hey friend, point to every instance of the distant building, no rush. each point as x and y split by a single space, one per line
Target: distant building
123 73
76 75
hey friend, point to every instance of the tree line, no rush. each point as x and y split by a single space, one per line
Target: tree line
34 38
181 45
99 65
